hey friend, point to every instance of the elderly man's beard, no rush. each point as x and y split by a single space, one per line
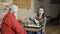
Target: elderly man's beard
15 14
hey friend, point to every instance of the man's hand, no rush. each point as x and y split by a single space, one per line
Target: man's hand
24 20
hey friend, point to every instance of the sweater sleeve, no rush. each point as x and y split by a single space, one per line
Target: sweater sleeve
19 21
34 16
17 27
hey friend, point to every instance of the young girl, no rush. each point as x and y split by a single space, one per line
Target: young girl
38 18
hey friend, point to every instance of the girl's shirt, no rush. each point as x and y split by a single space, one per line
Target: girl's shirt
41 21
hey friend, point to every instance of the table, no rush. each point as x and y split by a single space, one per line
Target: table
32 29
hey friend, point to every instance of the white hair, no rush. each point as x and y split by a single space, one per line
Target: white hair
14 9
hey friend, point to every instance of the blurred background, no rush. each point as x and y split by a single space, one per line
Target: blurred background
29 7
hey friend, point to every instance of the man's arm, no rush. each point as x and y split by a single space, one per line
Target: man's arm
19 21
17 27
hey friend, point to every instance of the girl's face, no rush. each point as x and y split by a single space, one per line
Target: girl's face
41 11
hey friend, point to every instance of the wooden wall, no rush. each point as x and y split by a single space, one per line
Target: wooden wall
23 3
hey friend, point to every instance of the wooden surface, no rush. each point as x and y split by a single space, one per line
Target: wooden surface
22 3
32 29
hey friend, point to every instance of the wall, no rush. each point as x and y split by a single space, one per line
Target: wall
51 9
26 12
3 10
59 20
54 10
37 4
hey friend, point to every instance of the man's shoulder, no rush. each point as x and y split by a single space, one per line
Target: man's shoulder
8 16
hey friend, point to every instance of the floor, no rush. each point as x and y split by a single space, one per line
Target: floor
52 29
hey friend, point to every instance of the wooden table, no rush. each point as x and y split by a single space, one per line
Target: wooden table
32 29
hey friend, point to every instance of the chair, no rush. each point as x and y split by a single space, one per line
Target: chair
43 31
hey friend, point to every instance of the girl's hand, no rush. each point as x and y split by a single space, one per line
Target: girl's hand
37 22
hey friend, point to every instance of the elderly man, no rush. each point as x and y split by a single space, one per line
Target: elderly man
10 24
